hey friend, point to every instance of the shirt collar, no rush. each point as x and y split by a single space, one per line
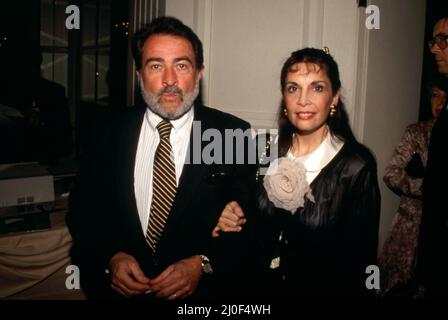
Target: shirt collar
320 157
154 119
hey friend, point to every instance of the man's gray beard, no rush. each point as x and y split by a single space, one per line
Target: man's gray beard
152 101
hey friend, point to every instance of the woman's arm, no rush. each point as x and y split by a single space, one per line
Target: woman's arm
395 176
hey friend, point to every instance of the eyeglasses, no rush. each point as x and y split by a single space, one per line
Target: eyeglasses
441 41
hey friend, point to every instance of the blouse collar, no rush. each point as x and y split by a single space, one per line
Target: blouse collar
322 155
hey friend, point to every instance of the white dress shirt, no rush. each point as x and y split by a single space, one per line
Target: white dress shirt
146 149
316 160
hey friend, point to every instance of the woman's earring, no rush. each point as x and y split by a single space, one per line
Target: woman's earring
333 110
285 112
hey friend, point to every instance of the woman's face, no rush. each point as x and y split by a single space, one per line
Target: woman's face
438 100
308 96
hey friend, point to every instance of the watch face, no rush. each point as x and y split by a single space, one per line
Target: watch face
207 268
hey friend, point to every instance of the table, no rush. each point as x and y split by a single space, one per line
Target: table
33 264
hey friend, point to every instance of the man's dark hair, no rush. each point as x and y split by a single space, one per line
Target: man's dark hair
168 26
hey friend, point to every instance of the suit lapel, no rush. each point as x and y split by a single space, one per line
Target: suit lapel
127 150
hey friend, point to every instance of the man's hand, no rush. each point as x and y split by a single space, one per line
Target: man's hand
178 280
127 277
231 219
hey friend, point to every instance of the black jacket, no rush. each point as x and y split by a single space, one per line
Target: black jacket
433 243
103 217
327 245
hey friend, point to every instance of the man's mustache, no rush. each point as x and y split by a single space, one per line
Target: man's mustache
171 89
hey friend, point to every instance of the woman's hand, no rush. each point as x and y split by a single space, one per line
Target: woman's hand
231 219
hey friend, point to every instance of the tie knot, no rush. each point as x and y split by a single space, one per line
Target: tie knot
164 128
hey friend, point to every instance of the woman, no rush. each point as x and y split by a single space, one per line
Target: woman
404 176
318 237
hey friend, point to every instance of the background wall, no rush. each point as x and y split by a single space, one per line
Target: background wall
249 40
393 75
246 42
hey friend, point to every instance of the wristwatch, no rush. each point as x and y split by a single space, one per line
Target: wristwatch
206 266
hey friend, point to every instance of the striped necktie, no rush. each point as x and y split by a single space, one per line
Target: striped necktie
164 185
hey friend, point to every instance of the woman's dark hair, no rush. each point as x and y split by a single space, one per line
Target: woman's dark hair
438 81
338 124
169 26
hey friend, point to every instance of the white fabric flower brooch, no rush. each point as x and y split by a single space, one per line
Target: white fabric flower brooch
285 184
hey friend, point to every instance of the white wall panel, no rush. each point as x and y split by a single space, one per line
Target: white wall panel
246 42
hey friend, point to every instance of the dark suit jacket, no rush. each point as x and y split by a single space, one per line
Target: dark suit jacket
433 253
103 217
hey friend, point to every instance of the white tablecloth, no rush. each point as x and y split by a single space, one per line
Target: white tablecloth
29 259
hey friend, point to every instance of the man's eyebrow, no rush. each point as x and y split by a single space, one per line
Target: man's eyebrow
441 34
157 59
152 60
184 58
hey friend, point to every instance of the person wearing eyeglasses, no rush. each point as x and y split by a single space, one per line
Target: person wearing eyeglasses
438 45
433 243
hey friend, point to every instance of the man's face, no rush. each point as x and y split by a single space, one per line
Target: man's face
169 77
441 55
